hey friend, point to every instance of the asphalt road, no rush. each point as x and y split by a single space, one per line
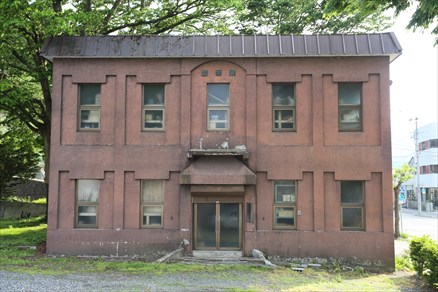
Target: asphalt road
415 225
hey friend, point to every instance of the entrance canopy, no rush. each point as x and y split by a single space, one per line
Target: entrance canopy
209 170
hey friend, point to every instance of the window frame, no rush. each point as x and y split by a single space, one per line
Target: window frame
292 204
355 205
225 108
358 107
281 108
146 204
80 203
89 107
153 108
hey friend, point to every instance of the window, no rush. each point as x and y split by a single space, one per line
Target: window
218 100
152 203
434 168
352 202
284 204
283 107
424 145
89 107
350 106
433 143
153 107
87 198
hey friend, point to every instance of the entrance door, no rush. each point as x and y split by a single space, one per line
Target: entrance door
218 226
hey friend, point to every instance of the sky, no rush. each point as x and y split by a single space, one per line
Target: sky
414 89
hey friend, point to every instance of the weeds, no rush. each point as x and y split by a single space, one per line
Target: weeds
334 276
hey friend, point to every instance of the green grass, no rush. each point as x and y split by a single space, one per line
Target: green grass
32 232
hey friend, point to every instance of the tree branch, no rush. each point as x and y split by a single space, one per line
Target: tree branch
110 13
168 15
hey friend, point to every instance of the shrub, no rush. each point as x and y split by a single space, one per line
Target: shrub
424 256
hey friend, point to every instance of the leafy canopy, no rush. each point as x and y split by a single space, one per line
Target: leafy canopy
401 175
25 77
20 152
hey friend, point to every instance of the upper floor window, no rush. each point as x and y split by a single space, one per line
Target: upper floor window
153 107
284 204
152 194
87 198
89 107
283 107
350 106
352 205
218 106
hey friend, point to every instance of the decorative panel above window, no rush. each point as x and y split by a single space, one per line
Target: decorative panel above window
153 107
218 104
89 107
152 193
350 107
352 205
283 107
284 204
87 198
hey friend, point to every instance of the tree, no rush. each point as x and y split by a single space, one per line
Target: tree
291 16
399 176
25 77
20 152
425 14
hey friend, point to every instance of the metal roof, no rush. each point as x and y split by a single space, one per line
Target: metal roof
236 46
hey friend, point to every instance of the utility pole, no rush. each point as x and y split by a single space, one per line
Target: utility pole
417 166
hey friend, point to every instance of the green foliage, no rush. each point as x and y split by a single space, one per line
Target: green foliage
20 152
401 175
23 199
426 11
289 16
403 263
424 256
30 232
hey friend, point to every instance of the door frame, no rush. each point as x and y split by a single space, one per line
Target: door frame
218 202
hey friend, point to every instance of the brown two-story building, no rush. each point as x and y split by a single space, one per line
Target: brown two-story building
279 143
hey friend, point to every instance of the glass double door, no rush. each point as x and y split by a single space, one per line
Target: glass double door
218 226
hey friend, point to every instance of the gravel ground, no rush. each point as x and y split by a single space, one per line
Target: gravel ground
10 281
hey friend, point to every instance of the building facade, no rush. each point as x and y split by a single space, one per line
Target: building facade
226 143
427 180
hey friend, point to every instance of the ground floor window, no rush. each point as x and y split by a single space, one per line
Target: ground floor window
352 205
284 204
152 193
87 199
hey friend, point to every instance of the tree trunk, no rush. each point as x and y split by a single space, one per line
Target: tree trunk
396 213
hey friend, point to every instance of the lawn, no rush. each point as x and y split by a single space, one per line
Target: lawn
17 235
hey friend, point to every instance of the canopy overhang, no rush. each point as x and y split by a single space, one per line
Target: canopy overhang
209 170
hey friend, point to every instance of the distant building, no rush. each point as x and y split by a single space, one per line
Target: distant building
227 143
428 166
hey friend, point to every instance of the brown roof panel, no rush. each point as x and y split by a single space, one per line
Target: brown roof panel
236 46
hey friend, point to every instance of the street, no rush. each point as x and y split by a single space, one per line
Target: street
415 225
